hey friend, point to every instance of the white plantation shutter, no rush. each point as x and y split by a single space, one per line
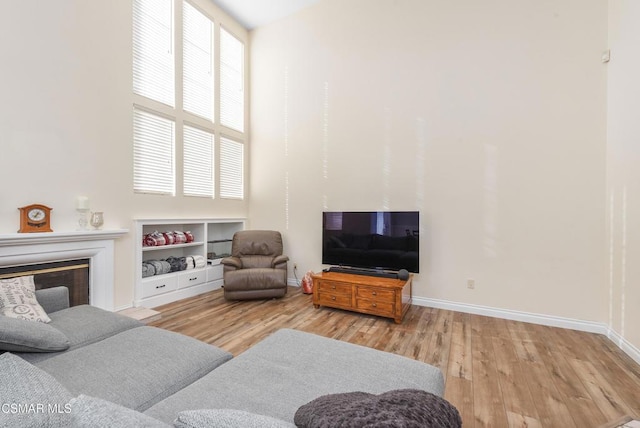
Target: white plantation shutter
231 169
153 165
197 63
231 81
210 106
153 62
198 162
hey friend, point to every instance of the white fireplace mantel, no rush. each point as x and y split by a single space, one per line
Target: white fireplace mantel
19 249
53 237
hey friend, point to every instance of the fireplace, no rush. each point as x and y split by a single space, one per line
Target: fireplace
26 250
73 274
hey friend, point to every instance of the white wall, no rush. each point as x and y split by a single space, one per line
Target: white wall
623 181
488 118
65 121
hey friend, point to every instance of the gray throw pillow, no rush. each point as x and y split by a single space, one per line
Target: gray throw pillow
91 412
409 408
18 335
226 418
18 299
31 397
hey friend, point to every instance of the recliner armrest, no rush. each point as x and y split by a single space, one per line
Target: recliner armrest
278 260
234 262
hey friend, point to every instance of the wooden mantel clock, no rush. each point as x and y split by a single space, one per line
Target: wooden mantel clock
35 218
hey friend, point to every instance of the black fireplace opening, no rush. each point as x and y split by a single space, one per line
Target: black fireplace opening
73 274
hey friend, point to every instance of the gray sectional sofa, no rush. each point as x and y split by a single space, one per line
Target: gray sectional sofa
117 370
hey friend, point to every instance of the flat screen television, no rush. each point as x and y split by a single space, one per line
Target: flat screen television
374 240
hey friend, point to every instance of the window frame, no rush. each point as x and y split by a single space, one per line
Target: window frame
183 118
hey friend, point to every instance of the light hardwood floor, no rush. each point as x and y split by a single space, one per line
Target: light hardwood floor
498 373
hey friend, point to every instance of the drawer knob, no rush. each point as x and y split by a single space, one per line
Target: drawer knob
374 293
374 305
193 279
333 287
161 286
333 297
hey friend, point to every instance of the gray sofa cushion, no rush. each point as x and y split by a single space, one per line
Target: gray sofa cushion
290 368
29 336
84 325
227 418
409 408
53 299
30 397
91 412
135 368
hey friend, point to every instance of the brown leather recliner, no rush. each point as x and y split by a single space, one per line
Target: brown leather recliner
256 269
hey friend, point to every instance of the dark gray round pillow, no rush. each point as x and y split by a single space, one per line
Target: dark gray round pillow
408 408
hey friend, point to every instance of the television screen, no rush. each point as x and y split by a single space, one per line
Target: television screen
377 240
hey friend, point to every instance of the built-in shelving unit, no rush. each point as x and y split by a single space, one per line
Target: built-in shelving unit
212 242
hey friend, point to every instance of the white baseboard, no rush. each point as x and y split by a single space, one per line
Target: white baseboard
625 345
553 321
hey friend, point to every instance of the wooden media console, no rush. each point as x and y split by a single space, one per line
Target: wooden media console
385 297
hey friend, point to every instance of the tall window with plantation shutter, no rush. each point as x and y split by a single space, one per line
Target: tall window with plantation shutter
231 168
153 165
198 162
197 63
192 123
231 81
153 59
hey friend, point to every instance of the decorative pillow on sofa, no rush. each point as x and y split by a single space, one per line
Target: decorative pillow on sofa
91 412
227 418
18 299
30 397
409 408
18 335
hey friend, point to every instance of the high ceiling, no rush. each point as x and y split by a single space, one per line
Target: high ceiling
254 13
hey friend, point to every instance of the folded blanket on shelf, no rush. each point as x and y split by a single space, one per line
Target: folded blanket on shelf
160 266
169 237
191 263
154 239
148 269
179 237
200 261
177 263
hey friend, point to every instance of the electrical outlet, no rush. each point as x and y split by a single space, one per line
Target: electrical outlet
471 284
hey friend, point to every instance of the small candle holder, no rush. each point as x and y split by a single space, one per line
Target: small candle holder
82 208
97 220
82 219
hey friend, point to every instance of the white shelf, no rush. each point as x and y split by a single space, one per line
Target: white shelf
161 289
171 246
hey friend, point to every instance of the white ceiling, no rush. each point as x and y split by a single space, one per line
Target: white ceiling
254 13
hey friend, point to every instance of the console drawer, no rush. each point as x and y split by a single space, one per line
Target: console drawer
158 285
334 287
330 299
377 294
375 306
192 277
